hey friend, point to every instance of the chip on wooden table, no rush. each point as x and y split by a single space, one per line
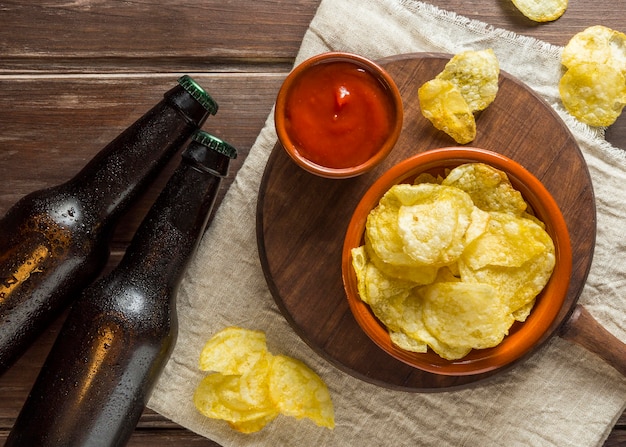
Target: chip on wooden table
475 75
541 10
445 107
598 44
595 93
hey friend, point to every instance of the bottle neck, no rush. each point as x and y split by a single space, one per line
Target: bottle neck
120 171
170 233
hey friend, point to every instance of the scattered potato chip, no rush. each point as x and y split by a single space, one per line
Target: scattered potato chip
594 93
444 106
470 300
489 188
598 44
467 84
297 391
541 10
233 350
475 75
251 387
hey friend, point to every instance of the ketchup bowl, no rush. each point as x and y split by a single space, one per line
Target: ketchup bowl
338 114
523 337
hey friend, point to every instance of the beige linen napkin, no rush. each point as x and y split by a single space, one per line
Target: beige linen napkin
561 396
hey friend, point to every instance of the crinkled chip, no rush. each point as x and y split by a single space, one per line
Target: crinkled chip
433 229
446 108
233 350
595 93
509 241
466 315
489 188
598 44
475 75
518 286
297 391
541 10
252 386
218 396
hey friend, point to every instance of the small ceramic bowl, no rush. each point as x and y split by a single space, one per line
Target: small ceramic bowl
338 114
523 337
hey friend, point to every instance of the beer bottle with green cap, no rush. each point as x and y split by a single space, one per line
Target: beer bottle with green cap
55 241
120 332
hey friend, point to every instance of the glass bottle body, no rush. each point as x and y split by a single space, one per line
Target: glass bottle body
120 333
54 242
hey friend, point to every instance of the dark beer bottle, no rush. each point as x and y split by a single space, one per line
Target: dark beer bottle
119 334
54 242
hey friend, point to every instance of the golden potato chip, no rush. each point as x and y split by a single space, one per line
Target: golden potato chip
523 312
518 286
541 10
417 274
218 396
489 188
598 44
432 230
261 389
412 324
253 425
233 350
297 391
466 315
475 75
446 108
510 241
594 93
404 341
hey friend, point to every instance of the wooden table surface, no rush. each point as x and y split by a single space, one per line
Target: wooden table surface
73 74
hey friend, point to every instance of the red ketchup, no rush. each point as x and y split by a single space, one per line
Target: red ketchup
338 114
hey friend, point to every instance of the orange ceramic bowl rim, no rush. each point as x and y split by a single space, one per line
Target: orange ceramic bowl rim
524 337
280 116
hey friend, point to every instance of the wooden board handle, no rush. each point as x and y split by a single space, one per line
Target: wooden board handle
583 329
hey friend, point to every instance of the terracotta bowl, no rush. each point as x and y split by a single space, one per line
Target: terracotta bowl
311 113
523 337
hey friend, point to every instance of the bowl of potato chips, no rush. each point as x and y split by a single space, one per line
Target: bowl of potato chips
457 261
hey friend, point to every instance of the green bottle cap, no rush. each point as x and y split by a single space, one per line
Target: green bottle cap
214 143
194 89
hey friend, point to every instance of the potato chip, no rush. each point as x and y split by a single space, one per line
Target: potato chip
263 386
594 93
510 241
297 391
433 229
253 425
233 350
598 44
417 274
475 75
489 188
466 315
218 396
403 341
541 10
446 108
412 324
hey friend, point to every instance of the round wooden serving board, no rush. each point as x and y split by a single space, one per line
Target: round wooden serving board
302 219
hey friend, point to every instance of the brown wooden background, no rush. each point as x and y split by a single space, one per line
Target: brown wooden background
74 73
